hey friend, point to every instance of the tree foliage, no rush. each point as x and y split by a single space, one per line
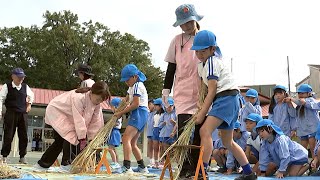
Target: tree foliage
50 54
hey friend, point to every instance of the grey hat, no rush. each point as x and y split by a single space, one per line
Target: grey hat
186 13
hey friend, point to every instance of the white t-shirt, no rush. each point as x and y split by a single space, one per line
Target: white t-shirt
119 122
156 119
87 83
214 68
255 143
138 89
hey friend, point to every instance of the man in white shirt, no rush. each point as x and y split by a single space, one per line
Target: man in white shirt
17 97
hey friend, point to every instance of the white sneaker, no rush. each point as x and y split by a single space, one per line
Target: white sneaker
23 161
125 170
143 170
38 168
65 169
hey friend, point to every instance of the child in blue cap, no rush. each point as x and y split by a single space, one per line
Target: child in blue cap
138 109
307 116
254 142
156 131
150 122
240 137
251 105
115 136
315 162
222 97
166 123
282 112
279 153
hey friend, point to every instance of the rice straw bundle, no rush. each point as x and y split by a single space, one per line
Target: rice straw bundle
180 153
85 162
7 173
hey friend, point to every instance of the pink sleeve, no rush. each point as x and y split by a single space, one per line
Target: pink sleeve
77 114
171 54
96 123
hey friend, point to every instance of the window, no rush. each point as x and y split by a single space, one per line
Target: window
35 121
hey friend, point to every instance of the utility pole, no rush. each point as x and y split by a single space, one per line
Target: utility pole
231 64
288 70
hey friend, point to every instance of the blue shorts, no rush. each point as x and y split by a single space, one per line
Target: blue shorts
138 118
156 133
115 138
168 140
149 137
306 137
255 152
300 162
227 109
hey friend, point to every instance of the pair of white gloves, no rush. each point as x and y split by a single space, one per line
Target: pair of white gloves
165 96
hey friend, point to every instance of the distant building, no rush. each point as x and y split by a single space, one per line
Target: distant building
313 79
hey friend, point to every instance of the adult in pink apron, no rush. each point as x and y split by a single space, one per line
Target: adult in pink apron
182 72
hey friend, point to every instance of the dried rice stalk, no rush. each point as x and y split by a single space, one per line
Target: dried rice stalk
7 173
85 162
180 154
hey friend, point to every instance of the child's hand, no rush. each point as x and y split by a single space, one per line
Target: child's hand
314 163
287 100
229 171
118 115
172 135
279 175
172 121
302 101
199 118
293 134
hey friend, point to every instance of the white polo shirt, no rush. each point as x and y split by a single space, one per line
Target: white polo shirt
214 68
138 89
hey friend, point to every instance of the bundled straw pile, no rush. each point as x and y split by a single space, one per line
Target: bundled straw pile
180 154
86 161
7 173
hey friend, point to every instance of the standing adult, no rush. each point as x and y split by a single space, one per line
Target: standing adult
182 72
17 97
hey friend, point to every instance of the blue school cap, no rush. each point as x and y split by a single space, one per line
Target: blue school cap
18 72
205 39
254 117
131 70
280 87
170 101
186 13
237 125
304 88
269 123
157 101
252 93
116 102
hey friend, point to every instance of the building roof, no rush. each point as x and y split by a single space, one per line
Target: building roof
42 97
314 65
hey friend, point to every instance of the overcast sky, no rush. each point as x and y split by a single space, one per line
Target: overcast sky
257 34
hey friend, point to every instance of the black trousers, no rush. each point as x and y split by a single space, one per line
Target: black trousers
69 152
12 121
193 153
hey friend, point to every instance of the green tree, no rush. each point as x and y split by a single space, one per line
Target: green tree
50 54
